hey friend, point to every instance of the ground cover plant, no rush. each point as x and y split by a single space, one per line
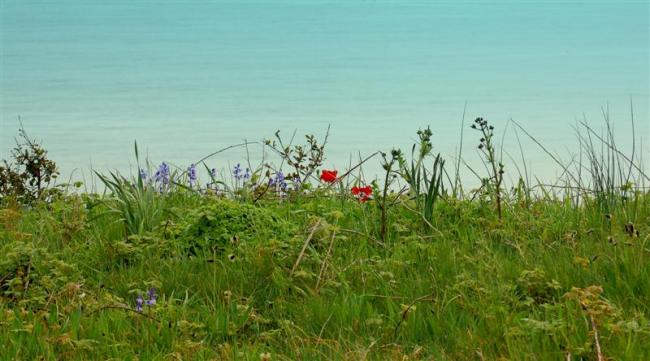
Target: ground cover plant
310 263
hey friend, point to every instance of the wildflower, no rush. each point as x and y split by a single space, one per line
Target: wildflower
162 175
138 303
143 174
213 172
279 181
151 294
239 174
328 176
236 171
362 193
191 172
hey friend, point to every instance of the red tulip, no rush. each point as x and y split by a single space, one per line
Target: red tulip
362 193
328 176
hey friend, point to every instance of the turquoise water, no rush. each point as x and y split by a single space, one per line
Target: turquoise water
88 78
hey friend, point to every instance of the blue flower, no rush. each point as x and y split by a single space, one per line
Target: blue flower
191 171
237 172
143 175
278 181
138 303
152 297
162 175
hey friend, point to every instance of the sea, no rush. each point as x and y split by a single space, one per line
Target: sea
185 79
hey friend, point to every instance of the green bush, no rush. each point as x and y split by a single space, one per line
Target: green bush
28 175
30 276
221 222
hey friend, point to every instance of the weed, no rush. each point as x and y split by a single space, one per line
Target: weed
488 150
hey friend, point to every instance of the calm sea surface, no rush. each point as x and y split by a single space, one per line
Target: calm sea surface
187 78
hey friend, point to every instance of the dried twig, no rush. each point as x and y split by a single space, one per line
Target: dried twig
362 234
423 218
324 264
304 247
124 308
407 309
599 352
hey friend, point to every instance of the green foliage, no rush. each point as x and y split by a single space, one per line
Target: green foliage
222 270
382 202
534 286
29 174
221 222
30 275
302 276
137 203
425 184
139 206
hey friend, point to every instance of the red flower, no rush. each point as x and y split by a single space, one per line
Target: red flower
362 193
328 176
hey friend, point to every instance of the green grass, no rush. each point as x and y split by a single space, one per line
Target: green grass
479 288
548 272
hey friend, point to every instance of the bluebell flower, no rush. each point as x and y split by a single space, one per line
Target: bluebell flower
143 175
162 175
247 174
237 172
213 172
151 294
278 181
191 172
138 303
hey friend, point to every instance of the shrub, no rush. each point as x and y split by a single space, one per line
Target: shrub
29 276
215 225
28 175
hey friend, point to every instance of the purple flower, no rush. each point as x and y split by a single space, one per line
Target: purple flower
236 172
191 171
278 181
213 172
138 303
239 174
162 175
143 175
151 294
